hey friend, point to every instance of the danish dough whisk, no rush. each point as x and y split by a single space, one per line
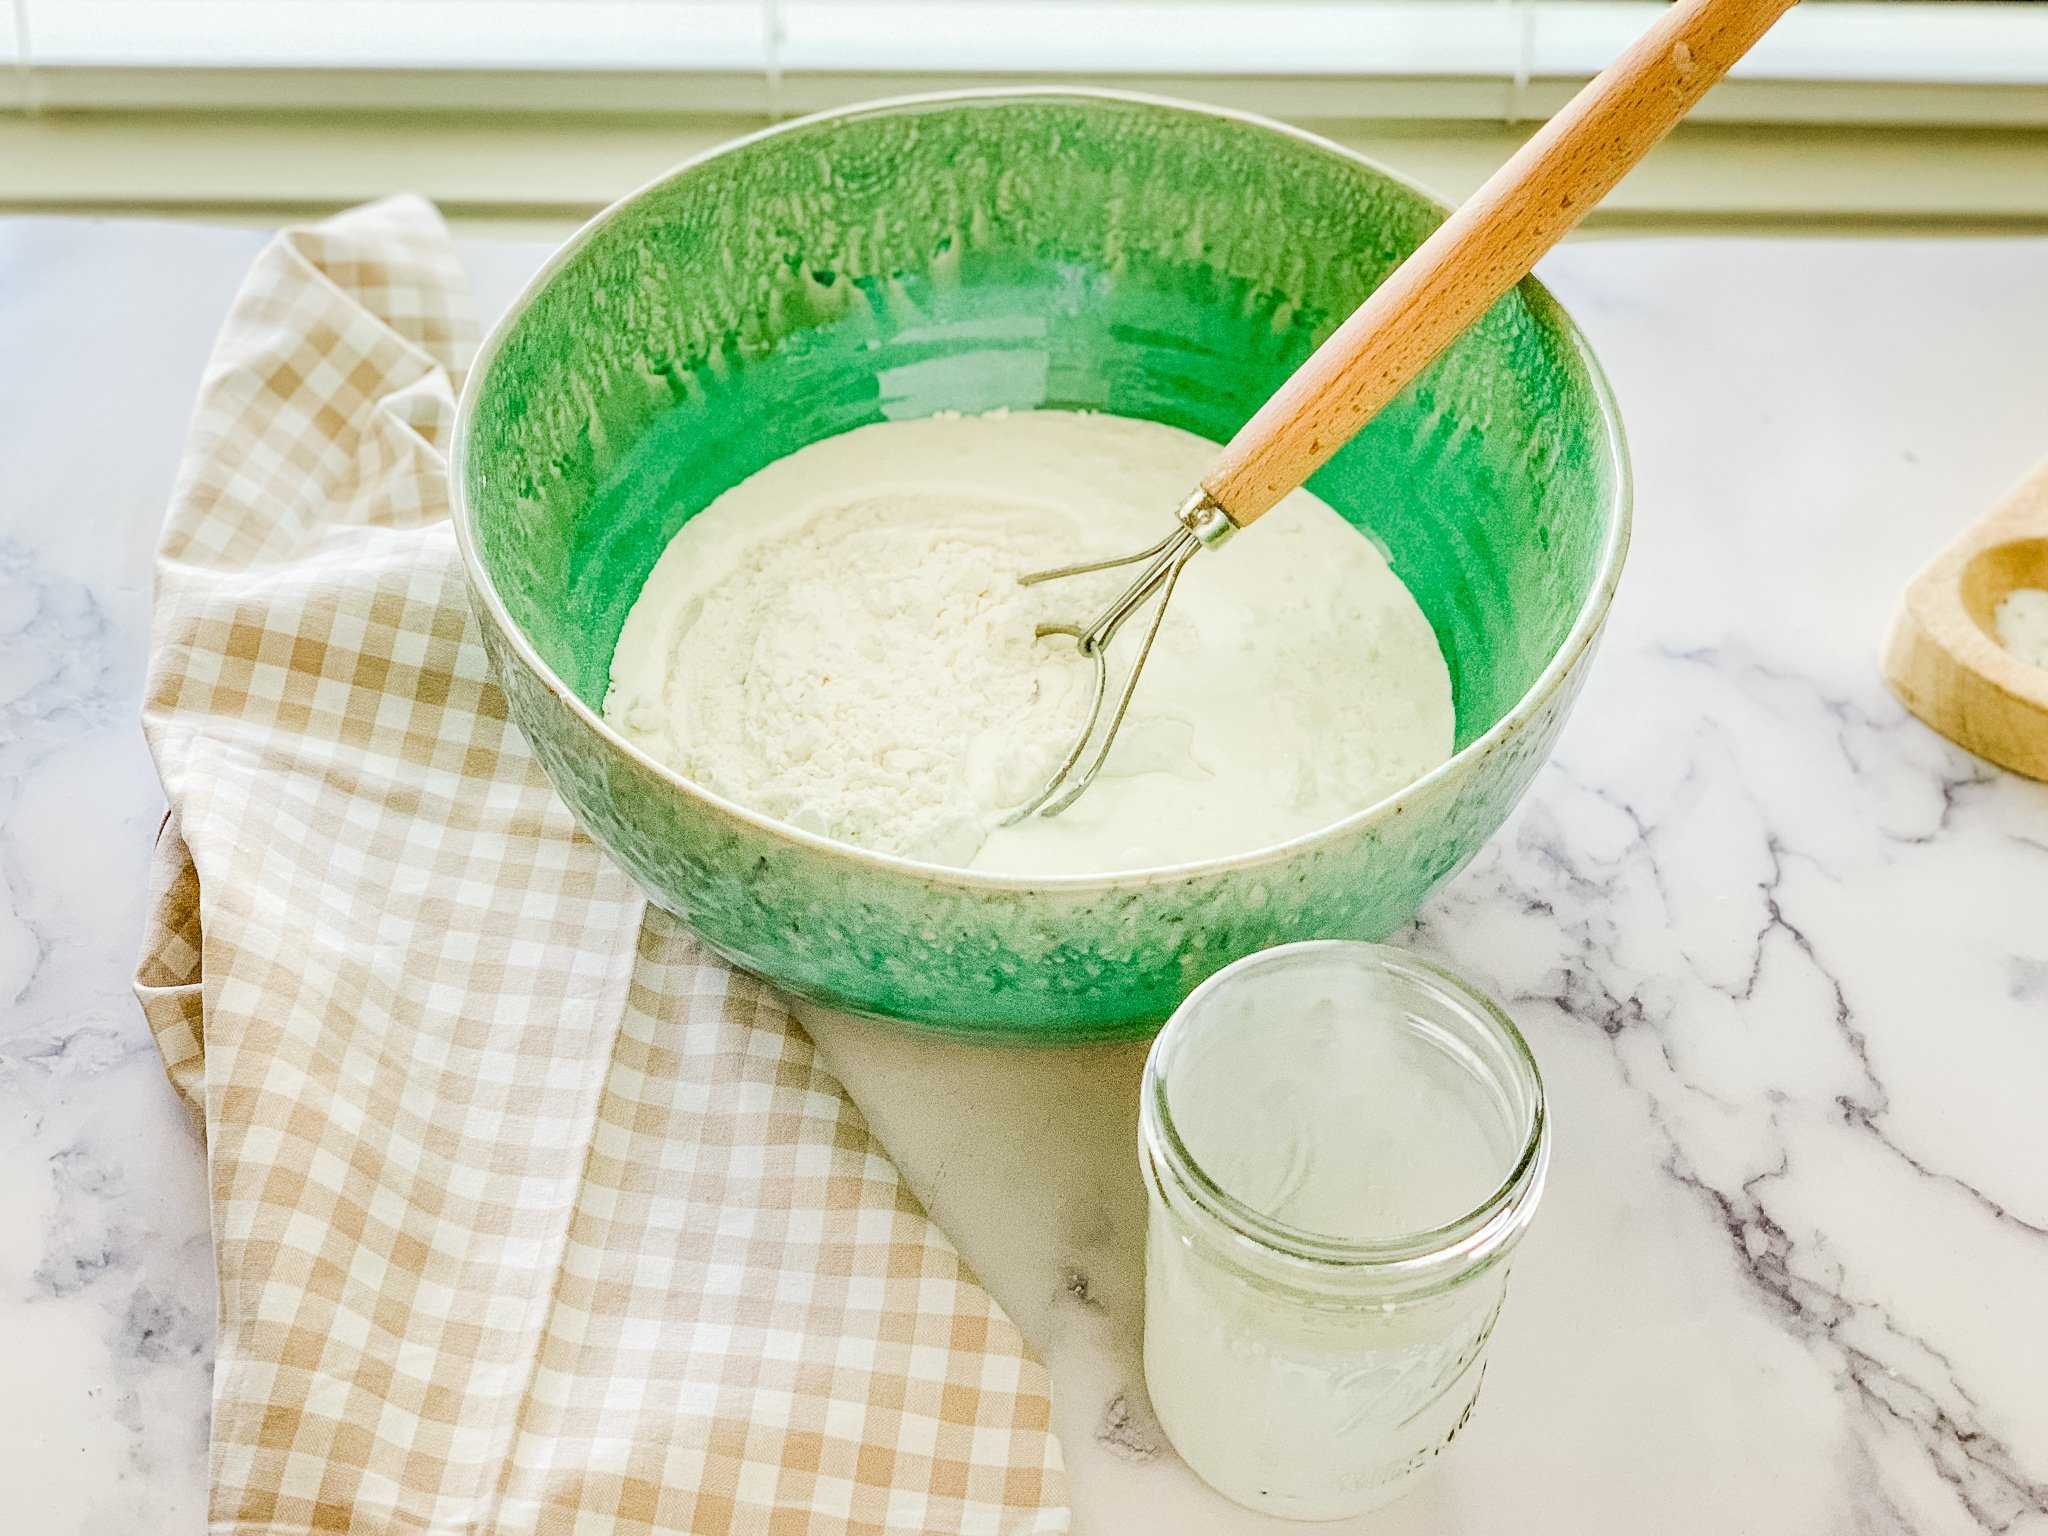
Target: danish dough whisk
1475 256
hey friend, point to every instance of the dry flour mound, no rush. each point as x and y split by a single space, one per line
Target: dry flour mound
872 673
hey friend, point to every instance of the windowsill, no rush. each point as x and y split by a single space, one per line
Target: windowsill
544 175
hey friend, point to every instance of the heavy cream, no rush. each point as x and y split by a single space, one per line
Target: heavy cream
841 642
1313 1121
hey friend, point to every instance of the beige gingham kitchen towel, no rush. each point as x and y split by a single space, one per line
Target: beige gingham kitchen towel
530 1214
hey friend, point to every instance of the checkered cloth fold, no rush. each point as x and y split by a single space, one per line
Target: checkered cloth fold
530 1214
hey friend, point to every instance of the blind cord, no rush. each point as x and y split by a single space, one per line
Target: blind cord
771 51
24 60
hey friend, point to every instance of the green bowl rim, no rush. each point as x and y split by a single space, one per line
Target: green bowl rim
1577 641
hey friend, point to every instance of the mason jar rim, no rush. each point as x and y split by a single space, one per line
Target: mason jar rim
1422 1258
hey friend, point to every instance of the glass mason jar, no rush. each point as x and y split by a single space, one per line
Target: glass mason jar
1342 1145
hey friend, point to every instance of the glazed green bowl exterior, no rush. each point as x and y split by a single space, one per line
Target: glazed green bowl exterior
1071 250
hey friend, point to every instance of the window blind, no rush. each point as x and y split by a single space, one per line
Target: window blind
1502 60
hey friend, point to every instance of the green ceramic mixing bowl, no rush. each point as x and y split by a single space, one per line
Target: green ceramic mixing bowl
1022 249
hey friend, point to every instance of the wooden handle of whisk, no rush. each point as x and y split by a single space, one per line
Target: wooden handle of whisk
1484 248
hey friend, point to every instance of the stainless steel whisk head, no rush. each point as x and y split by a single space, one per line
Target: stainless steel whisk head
1201 523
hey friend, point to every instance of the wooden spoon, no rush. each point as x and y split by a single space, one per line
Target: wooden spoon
1941 658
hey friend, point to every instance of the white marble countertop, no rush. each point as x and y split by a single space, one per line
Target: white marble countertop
1782 953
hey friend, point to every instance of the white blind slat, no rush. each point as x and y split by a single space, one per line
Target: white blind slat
1441 58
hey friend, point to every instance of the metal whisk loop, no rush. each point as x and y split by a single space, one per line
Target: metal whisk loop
1201 523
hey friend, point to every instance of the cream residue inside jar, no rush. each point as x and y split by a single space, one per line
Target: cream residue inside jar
1338 1151
841 642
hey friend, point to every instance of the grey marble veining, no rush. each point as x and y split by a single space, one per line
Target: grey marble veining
1782 953
106 1280
1779 949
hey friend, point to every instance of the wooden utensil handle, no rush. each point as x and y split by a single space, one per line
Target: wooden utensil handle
1484 248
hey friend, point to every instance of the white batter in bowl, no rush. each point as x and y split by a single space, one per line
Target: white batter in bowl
840 641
